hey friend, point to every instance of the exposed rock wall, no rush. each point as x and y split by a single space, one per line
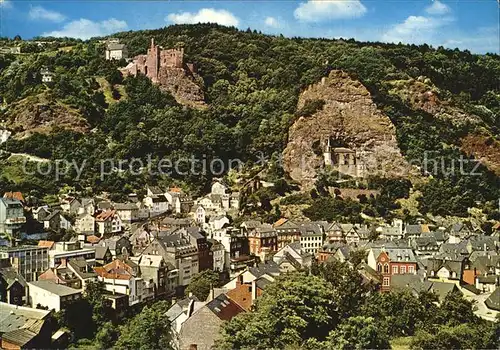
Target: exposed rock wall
41 114
351 119
183 85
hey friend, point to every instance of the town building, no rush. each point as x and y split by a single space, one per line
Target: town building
154 270
218 255
52 295
47 75
262 241
179 249
202 328
12 217
293 257
392 261
65 251
128 212
24 327
124 277
85 224
13 287
287 231
108 222
311 237
29 261
116 51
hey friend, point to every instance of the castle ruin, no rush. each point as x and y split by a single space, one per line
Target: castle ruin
168 69
156 60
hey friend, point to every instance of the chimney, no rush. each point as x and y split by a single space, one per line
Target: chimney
211 295
239 280
152 43
190 308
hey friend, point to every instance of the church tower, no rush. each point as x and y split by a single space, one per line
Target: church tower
328 153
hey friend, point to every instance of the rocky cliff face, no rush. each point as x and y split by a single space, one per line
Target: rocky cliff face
422 94
183 85
349 119
41 114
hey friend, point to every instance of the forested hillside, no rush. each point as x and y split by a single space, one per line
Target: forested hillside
252 84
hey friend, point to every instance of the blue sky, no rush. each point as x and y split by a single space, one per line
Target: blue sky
467 24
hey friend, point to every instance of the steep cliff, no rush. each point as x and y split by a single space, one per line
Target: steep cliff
349 119
422 94
41 113
185 86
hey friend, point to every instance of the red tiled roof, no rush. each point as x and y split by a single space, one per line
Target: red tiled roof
105 215
14 195
117 269
93 239
47 244
280 222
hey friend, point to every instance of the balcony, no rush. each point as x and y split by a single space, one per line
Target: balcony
15 221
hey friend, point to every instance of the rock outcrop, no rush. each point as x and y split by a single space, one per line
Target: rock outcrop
421 94
349 119
41 114
184 85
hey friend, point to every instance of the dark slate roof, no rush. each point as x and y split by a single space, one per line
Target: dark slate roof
262 282
115 46
10 275
271 268
493 302
428 241
19 337
125 206
58 289
51 215
224 308
451 265
195 232
414 229
100 252
459 248
310 229
442 289
155 190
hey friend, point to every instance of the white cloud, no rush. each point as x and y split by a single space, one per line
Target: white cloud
85 28
322 10
207 15
416 30
39 13
437 8
272 22
4 4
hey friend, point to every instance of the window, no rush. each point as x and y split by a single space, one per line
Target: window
386 268
395 270
385 283
411 269
379 267
403 269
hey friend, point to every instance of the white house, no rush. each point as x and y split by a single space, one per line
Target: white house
116 51
108 222
128 212
85 223
50 294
